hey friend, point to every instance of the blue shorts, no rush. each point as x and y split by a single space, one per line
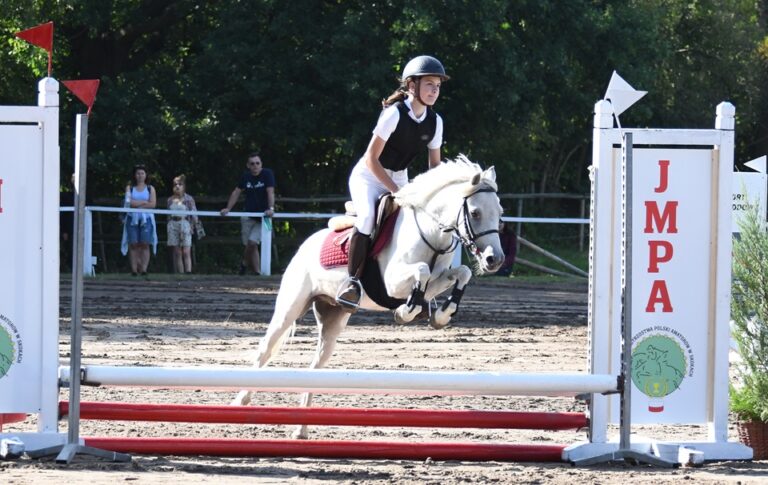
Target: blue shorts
141 232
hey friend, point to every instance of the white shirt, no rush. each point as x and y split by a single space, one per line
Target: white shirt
391 116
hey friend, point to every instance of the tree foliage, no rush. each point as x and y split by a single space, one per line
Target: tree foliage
194 86
749 310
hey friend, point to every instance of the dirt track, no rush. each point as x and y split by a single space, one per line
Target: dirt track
503 325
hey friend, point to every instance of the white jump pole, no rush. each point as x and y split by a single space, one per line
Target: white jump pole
347 381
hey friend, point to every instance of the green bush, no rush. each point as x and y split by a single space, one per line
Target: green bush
749 310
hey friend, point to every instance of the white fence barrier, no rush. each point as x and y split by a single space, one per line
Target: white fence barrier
90 261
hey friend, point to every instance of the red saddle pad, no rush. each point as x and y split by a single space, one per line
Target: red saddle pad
335 249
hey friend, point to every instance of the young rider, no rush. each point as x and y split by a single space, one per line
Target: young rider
406 126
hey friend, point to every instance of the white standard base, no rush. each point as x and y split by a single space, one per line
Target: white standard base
691 453
38 441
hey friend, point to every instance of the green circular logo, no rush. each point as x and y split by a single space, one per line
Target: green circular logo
6 351
658 365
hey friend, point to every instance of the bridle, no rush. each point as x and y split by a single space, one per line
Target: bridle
468 239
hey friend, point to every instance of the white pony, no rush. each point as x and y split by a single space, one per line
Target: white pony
452 204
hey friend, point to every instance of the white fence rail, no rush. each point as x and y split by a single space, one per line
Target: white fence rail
90 261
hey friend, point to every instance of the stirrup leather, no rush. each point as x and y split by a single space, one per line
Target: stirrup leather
350 293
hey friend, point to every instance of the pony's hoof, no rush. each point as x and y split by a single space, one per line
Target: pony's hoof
440 320
404 317
300 434
438 325
242 399
399 319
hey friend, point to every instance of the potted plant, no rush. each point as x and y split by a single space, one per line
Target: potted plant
749 310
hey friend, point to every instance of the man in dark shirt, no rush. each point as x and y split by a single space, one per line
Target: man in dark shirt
259 186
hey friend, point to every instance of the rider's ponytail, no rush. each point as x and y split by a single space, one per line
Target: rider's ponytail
399 95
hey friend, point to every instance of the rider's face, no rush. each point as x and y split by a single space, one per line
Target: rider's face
429 89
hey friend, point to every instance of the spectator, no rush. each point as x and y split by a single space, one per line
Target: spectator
180 228
139 230
259 186
407 126
508 240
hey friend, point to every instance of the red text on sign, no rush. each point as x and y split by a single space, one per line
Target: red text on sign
660 251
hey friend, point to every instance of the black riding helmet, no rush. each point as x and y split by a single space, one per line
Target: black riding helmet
421 66
424 66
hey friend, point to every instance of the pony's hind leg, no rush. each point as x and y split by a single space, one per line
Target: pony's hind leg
331 321
292 303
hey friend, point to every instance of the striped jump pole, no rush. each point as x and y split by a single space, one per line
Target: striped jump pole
330 449
340 381
189 413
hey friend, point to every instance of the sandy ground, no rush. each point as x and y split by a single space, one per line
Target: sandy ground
504 324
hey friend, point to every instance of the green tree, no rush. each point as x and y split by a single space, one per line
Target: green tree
194 86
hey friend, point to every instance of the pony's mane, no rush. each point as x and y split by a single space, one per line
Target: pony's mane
458 171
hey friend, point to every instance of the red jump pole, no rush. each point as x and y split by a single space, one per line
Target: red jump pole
188 413
8 418
331 449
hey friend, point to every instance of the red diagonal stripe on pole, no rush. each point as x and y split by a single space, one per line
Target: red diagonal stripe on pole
41 36
85 90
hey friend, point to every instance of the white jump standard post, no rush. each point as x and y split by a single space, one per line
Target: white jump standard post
680 286
29 256
625 451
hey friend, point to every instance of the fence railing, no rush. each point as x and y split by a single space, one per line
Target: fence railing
90 261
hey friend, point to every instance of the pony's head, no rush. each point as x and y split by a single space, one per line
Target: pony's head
471 206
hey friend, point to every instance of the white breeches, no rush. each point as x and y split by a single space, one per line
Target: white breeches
365 190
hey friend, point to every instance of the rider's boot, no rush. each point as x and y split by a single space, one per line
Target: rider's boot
351 290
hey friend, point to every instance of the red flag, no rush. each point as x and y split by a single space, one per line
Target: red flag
85 90
41 36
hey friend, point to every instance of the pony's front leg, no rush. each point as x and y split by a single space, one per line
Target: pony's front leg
458 277
407 280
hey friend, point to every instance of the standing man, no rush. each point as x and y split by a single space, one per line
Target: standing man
259 186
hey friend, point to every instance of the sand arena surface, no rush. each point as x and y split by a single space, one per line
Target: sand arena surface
503 324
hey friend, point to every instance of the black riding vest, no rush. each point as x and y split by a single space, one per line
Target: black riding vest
408 139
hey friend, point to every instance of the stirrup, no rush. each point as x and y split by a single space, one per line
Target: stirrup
343 297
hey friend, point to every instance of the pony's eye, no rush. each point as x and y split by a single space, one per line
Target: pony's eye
475 214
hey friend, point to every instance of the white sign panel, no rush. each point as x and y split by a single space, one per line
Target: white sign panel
671 317
21 245
749 188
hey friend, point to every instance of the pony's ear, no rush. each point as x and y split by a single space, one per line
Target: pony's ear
490 174
476 178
